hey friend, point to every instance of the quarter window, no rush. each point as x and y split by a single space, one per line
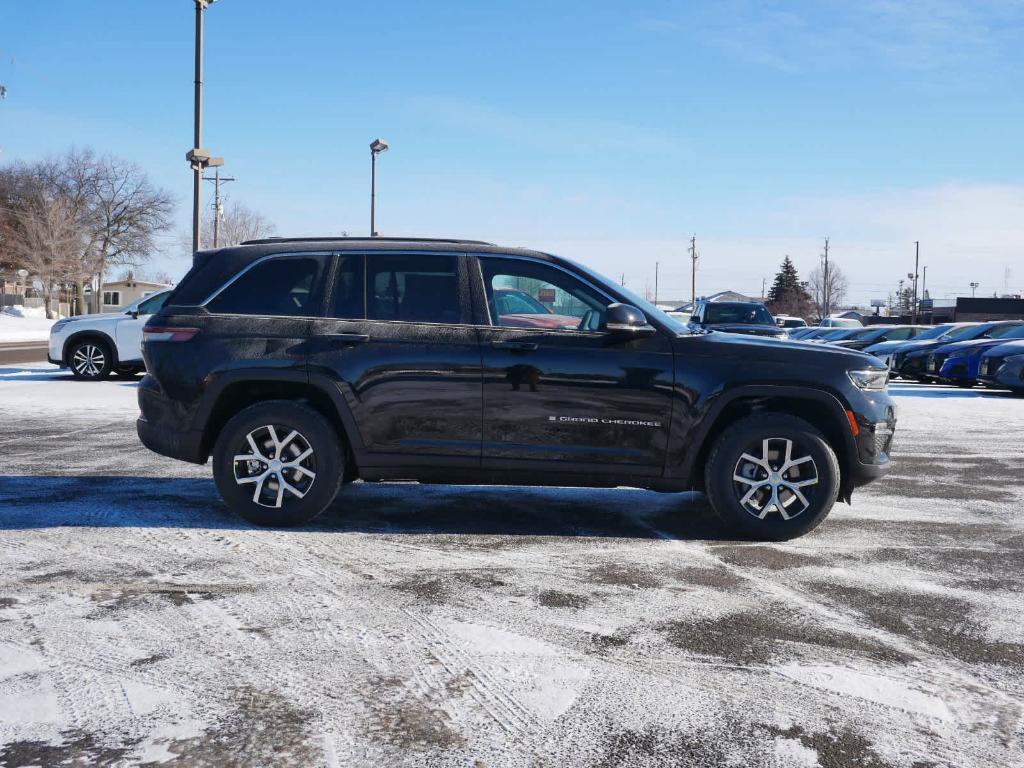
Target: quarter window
527 294
281 286
413 288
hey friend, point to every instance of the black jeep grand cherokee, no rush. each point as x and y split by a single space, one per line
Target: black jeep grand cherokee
302 364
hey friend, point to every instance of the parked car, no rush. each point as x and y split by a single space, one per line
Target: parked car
790 323
747 317
518 308
894 354
916 363
94 346
1002 367
876 334
300 365
958 363
840 322
809 334
836 334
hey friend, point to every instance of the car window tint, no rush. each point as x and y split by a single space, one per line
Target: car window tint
348 301
1002 331
527 294
279 286
153 303
899 334
738 313
416 288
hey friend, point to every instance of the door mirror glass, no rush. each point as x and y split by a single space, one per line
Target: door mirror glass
626 319
694 319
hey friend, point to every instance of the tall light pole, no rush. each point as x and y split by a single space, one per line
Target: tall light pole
974 287
917 261
198 158
377 146
217 181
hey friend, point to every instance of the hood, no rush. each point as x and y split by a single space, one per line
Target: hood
977 344
1006 349
752 329
781 350
98 317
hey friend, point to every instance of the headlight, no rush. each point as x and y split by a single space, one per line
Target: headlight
872 378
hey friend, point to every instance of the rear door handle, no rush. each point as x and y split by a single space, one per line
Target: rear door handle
348 338
515 346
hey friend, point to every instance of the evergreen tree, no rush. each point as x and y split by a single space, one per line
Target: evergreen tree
787 296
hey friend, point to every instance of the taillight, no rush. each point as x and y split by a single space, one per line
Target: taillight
168 334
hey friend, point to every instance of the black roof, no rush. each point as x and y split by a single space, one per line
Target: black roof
266 240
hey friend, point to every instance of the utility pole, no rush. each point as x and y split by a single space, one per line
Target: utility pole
917 259
622 280
764 280
198 158
826 292
924 282
693 273
217 210
655 283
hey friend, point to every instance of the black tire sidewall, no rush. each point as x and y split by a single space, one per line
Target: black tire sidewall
726 452
317 430
108 359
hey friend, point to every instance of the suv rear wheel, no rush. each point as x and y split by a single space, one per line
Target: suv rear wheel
90 359
278 463
772 477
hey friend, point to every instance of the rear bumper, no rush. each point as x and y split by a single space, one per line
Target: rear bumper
185 446
159 426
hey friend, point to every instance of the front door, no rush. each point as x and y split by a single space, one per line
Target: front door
399 345
560 392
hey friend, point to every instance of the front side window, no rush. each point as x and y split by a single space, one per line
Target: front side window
414 288
284 287
153 304
527 294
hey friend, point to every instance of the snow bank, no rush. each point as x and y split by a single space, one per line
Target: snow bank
41 389
24 324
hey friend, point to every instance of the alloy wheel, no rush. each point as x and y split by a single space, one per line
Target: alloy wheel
279 469
88 360
781 479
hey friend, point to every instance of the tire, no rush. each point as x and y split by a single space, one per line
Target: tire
759 517
269 502
91 359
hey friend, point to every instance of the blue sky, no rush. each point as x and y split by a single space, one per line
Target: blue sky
607 131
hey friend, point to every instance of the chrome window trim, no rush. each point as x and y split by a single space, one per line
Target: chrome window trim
251 265
480 258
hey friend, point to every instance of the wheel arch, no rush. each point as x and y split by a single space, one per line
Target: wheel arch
230 395
820 408
85 335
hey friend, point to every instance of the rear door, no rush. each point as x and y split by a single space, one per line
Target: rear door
560 392
398 346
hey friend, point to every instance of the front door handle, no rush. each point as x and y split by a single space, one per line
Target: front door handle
348 338
515 346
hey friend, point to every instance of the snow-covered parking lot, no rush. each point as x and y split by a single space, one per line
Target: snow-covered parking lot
428 625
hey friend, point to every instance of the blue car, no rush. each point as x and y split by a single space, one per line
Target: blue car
894 353
914 364
1002 367
958 363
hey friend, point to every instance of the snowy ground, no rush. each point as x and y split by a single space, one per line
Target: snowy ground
24 324
417 625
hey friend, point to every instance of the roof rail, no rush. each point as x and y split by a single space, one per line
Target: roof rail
266 240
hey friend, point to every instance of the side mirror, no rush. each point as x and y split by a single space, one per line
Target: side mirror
626 320
694 319
135 314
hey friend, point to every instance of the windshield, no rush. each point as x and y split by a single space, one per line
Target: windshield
1017 332
933 333
845 333
962 332
652 311
752 314
1006 331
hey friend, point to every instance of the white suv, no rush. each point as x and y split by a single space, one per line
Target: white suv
94 346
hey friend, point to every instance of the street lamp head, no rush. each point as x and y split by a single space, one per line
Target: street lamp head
379 145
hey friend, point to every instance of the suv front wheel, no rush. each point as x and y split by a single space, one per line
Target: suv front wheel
772 477
278 463
90 359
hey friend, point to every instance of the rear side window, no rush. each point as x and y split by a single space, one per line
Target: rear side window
416 288
285 287
348 302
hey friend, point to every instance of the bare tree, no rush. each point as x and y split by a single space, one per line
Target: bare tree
47 242
238 223
828 293
119 208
